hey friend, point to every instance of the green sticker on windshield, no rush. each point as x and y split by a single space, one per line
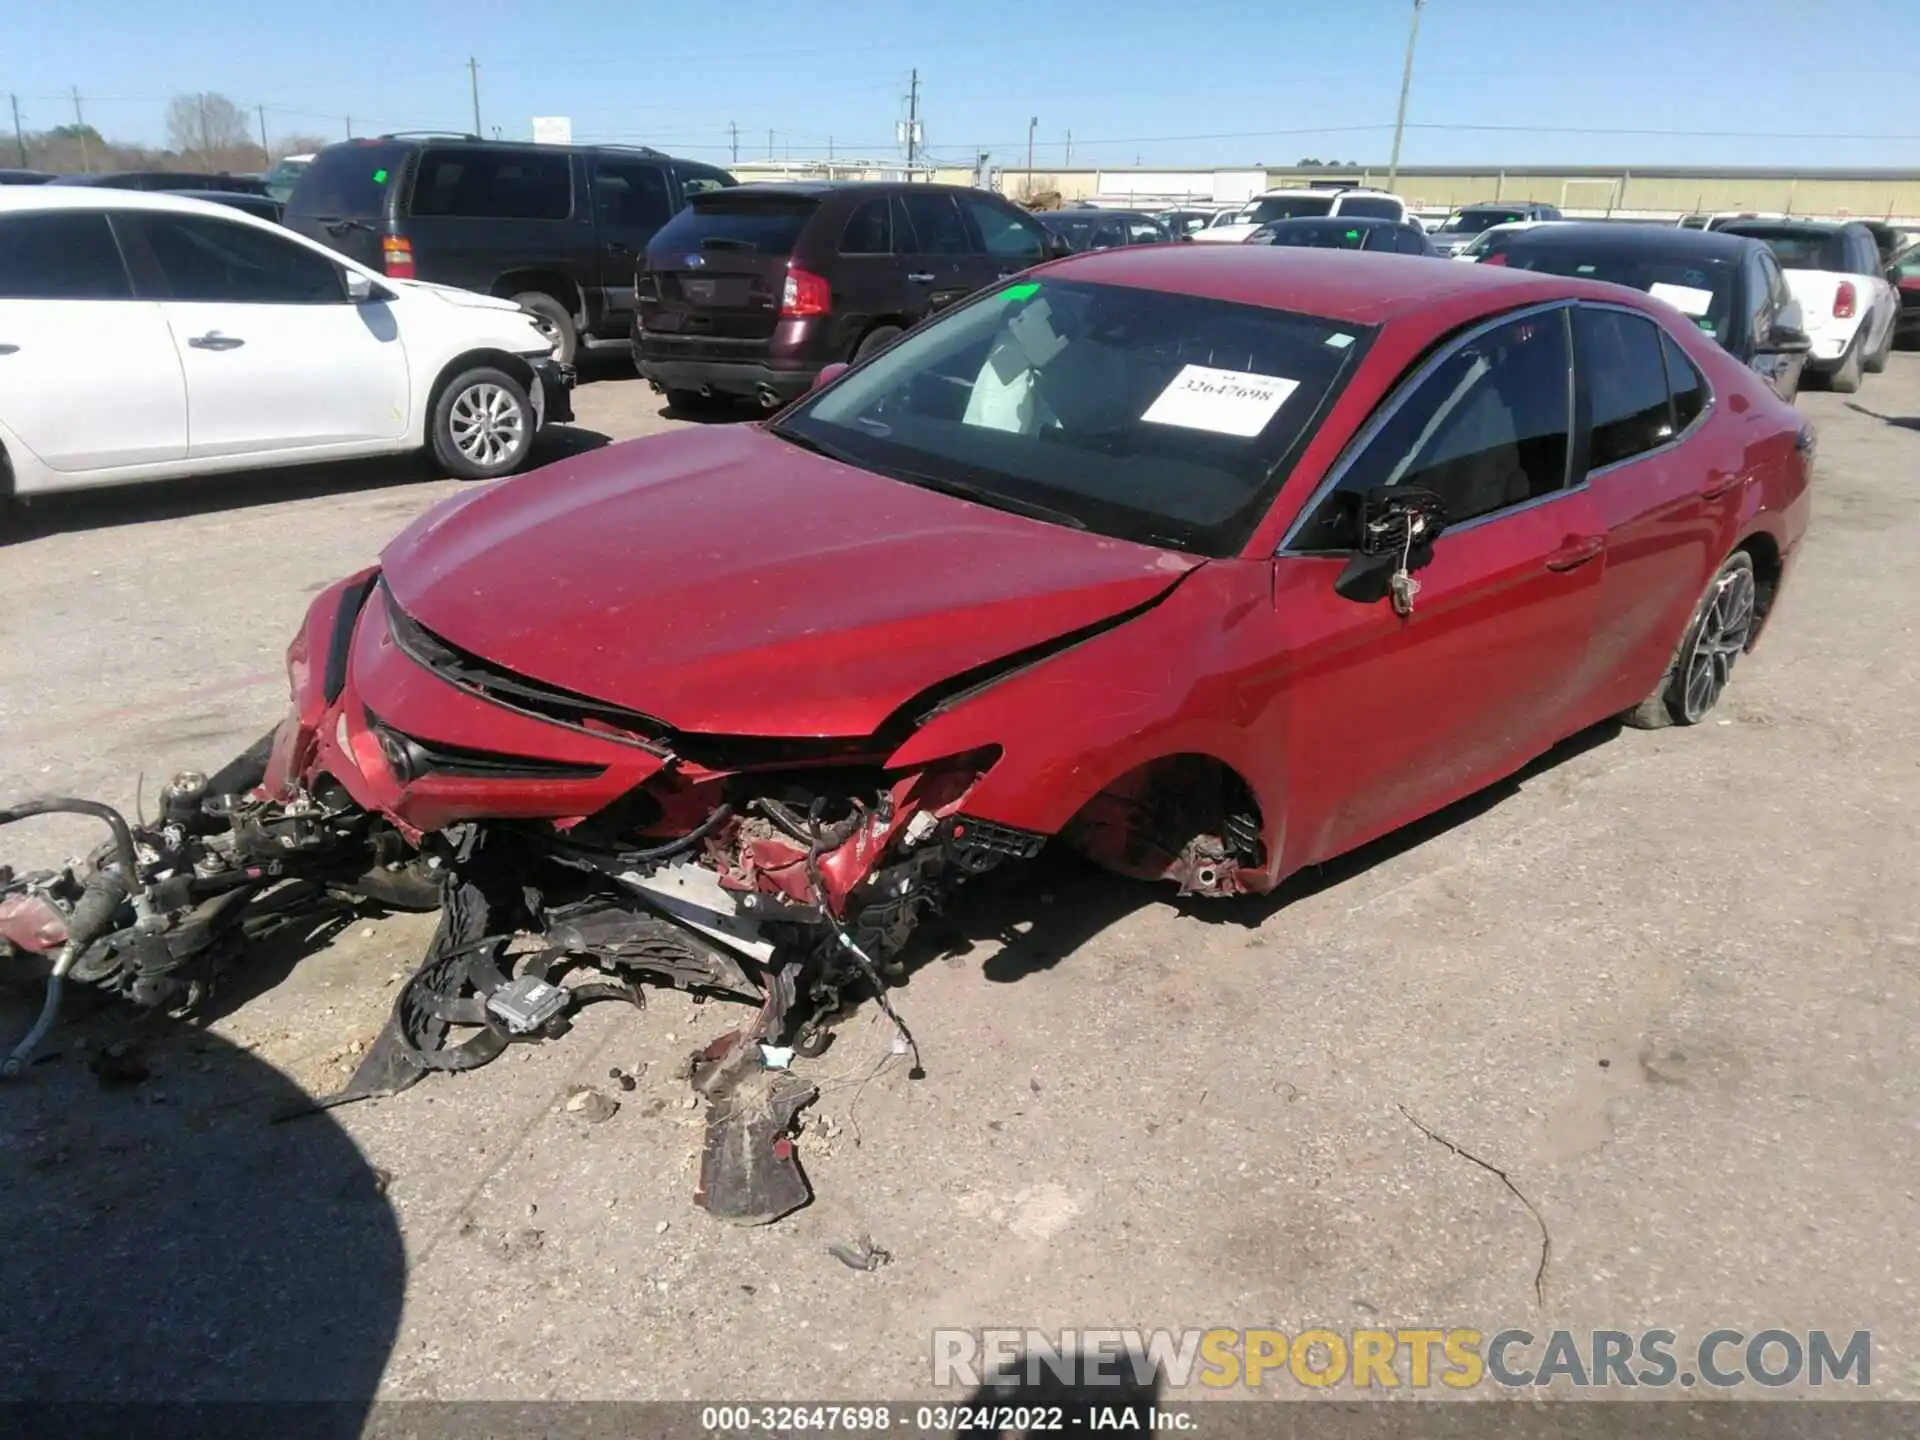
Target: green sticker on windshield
1021 292
380 177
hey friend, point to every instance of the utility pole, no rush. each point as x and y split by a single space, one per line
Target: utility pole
206 140
19 135
80 125
1069 164
1406 84
1033 124
349 127
913 118
769 144
265 153
473 80
733 137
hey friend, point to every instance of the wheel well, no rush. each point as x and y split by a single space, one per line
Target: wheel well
1764 551
1187 817
499 359
545 282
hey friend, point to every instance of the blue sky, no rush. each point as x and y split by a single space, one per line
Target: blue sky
1196 81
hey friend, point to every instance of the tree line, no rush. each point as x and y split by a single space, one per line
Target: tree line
206 131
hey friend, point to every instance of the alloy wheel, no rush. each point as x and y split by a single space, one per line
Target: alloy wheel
487 424
1722 636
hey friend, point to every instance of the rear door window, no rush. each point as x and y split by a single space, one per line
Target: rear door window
1626 384
349 182
494 184
61 255
631 196
755 221
938 226
869 229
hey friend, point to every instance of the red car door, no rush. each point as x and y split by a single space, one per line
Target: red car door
1644 399
1384 717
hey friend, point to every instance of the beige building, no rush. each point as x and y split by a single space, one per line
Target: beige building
1651 192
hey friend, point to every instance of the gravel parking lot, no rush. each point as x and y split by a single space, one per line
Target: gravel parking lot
1669 982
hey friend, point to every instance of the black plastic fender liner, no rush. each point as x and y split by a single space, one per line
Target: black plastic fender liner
333 678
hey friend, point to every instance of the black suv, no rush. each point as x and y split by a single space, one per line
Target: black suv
750 291
556 227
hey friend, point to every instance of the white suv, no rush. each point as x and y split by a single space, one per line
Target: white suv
145 336
1294 204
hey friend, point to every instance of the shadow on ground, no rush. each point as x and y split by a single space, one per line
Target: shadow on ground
167 1243
173 499
1902 422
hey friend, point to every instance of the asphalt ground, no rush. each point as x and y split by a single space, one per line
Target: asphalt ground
1668 983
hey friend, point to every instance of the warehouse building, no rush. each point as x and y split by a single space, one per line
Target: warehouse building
1621 192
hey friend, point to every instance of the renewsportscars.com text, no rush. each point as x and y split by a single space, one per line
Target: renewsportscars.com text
1417 1359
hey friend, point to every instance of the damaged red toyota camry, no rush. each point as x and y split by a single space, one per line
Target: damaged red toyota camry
1211 562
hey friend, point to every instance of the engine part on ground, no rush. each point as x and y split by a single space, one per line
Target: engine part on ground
749 1170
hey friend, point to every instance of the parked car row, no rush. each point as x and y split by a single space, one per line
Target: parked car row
1788 297
145 335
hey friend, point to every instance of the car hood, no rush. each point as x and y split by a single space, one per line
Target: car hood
724 581
452 294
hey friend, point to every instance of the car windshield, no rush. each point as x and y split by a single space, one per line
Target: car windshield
730 220
1165 419
1700 288
1794 248
1285 207
1472 222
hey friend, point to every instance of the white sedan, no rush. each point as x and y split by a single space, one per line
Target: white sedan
145 336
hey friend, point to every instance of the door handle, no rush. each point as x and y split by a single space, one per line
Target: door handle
1576 551
214 340
1723 484
920 277
9 349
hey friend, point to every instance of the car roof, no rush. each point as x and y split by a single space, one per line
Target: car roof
20 199
1337 222
1342 285
821 189
1095 212
1649 239
1811 228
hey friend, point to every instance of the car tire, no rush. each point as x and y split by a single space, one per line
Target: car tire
874 341
1846 380
554 322
1702 664
1877 361
482 424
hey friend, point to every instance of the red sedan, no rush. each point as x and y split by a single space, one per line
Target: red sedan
1210 561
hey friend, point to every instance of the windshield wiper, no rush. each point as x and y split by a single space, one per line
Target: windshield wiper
983 496
818 447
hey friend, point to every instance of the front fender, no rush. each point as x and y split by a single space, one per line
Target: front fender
1180 679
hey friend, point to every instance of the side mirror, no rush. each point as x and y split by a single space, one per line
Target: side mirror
828 374
1786 339
1397 523
361 290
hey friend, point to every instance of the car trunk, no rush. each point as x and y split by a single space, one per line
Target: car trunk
717 269
343 198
